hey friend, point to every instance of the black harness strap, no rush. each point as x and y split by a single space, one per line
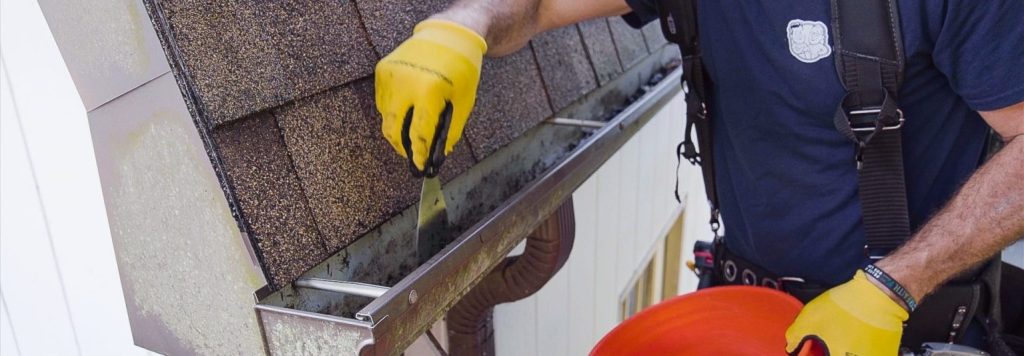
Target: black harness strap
679 24
869 60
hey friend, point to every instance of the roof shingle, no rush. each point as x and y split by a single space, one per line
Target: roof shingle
653 36
225 57
320 43
270 197
601 48
564 65
390 22
511 100
630 42
245 56
351 176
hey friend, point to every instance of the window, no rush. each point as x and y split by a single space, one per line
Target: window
641 293
673 257
659 278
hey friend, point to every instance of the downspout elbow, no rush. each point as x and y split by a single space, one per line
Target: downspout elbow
515 278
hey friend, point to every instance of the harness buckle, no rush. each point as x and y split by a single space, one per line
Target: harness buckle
687 150
875 112
780 283
703 113
870 255
784 280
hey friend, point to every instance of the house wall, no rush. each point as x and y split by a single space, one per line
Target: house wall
60 281
58 278
622 212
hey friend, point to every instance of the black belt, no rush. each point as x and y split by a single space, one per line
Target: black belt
944 316
734 270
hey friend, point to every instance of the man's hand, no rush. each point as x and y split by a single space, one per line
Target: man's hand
856 319
432 75
440 65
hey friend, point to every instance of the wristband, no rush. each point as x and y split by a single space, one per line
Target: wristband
895 287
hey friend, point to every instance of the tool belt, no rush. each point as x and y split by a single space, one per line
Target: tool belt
1011 288
946 315
734 270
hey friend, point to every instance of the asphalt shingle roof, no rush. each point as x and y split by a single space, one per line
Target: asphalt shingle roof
269 195
597 37
285 91
629 42
511 100
564 65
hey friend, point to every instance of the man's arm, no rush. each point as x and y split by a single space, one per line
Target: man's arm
434 74
863 317
508 25
986 216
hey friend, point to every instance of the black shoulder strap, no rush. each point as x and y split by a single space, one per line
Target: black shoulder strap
869 60
679 24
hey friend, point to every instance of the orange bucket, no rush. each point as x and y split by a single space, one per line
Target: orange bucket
733 320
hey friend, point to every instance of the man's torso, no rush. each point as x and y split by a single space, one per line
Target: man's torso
787 178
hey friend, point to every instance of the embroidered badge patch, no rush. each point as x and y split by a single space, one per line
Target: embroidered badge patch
808 40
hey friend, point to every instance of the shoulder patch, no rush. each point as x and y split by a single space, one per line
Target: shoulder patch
808 40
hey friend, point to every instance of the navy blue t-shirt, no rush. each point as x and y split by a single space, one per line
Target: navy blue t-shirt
786 178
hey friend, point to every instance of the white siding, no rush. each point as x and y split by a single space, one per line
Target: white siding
25 246
8 342
1015 254
623 204
582 274
552 328
519 332
605 261
59 285
620 213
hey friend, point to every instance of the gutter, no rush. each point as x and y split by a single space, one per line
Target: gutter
391 321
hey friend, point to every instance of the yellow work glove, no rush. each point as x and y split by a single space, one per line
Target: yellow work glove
854 319
425 90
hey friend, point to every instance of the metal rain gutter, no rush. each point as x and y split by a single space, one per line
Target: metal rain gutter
388 324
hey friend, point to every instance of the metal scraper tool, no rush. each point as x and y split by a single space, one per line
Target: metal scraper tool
432 223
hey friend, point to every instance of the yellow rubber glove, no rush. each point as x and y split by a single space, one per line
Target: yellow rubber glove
853 319
432 74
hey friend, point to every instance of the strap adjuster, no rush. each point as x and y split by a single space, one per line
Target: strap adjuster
876 112
869 253
781 282
703 113
785 280
863 114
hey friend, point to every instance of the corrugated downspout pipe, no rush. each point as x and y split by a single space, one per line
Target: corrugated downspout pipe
516 277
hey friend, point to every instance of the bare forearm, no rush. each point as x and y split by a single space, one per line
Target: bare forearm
982 219
508 25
